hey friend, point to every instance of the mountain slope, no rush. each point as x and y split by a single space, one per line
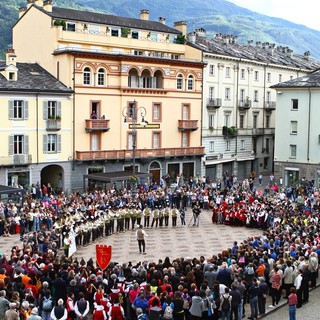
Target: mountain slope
215 16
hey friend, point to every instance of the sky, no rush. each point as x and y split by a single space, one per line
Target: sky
301 12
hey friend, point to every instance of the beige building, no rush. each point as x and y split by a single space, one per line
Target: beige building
36 130
120 69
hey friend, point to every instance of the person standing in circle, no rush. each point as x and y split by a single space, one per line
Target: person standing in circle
140 234
196 214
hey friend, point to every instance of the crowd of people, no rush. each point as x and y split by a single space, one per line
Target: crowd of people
38 280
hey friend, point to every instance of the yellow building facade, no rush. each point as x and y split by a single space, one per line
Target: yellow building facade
122 71
36 131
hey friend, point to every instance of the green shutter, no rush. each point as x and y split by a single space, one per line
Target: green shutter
58 142
59 108
45 143
45 110
11 139
25 110
26 144
10 111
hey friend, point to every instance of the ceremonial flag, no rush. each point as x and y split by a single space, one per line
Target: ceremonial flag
103 255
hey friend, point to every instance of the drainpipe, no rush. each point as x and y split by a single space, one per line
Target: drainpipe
264 99
309 116
237 96
202 108
73 116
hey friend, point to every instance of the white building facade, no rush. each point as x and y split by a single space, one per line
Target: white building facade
238 112
297 136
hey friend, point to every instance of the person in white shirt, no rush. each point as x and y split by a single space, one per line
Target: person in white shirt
140 234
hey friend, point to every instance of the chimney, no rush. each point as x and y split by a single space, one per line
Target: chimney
192 37
181 26
47 5
250 43
22 11
162 20
234 39
29 3
144 14
38 3
201 32
11 57
306 55
258 44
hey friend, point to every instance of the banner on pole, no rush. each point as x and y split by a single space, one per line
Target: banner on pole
103 255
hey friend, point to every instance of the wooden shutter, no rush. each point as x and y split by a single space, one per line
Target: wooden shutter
25 110
10 109
58 142
59 108
11 139
45 143
25 144
45 110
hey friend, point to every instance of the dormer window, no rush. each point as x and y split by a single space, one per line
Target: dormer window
12 76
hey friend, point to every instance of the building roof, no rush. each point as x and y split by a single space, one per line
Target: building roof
311 80
110 20
32 77
261 52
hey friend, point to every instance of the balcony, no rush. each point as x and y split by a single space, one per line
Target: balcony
214 103
140 153
262 131
257 131
270 105
188 125
244 104
97 125
229 132
269 131
53 124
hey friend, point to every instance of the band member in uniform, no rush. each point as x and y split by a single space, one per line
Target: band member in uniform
166 215
146 214
155 217
174 214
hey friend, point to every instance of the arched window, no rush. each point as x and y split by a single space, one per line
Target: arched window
101 77
190 83
179 82
158 82
146 80
87 76
133 79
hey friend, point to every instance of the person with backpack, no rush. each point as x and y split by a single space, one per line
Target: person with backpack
167 308
46 305
225 304
59 312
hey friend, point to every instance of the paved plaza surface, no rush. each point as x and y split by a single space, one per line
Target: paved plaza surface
206 240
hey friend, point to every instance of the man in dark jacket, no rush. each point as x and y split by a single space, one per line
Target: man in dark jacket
224 275
236 301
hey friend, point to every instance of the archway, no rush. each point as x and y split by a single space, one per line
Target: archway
53 174
155 169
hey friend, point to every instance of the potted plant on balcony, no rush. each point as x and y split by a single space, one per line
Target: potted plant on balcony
125 32
232 131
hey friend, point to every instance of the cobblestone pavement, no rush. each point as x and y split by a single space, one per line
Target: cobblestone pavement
206 240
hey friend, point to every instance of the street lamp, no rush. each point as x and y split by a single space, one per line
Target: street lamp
130 113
